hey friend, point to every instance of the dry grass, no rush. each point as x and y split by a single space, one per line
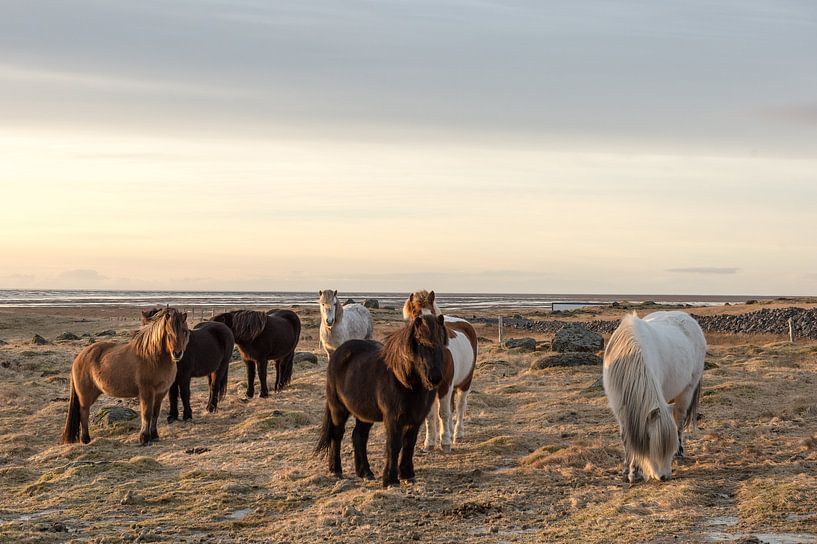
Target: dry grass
541 461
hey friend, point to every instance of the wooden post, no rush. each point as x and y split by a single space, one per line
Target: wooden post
500 330
791 331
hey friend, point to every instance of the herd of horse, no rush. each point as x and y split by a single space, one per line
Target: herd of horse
419 375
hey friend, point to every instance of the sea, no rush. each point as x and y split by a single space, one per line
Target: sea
462 302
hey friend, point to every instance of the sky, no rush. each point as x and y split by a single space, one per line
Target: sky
462 146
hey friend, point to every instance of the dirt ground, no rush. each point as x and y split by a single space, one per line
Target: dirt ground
541 461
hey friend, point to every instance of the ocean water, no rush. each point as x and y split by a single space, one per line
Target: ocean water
272 299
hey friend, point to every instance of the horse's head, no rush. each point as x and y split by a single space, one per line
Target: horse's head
177 334
329 303
429 339
420 303
662 437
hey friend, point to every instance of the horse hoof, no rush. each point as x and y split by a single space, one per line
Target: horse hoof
391 483
410 480
211 409
250 393
86 439
369 476
446 448
171 419
264 394
188 418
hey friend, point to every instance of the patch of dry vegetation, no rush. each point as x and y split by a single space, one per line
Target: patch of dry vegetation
541 461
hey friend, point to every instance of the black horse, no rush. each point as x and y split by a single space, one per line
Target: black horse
263 336
394 383
208 354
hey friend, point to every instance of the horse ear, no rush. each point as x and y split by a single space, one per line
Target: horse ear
184 316
441 320
335 293
411 297
145 313
320 292
431 296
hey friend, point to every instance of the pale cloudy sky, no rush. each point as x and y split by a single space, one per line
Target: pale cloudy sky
517 146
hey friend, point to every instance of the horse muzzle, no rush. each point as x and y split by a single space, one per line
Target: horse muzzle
177 356
329 323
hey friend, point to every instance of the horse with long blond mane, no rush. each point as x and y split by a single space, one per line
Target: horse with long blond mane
459 362
145 367
652 377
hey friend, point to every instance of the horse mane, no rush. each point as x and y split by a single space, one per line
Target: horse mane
148 342
397 354
248 324
634 386
419 301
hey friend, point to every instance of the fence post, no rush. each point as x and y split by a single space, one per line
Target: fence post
791 331
500 330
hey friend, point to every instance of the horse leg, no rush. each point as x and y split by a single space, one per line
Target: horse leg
262 377
680 408
394 441
214 380
431 426
85 403
360 439
154 422
407 453
250 378
338 428
146 404
445 420
184 389
462 404
173 413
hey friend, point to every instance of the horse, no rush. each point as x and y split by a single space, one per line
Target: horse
341 323
459 362
208 354
652 378
262 336
145 367
395 383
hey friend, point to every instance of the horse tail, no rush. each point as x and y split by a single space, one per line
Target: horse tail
691 419
325 439
70 434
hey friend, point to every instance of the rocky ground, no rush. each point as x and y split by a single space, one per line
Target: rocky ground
541 461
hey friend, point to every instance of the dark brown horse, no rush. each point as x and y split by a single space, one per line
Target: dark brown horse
263 336
394 383
145 367
208 354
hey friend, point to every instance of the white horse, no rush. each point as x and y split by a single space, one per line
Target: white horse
341 323
652 378
459 362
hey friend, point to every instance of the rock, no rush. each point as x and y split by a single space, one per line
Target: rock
68 336
575 337
349 301
371 303
575 358
113 414
305 356
342 485
752 301
525 344
131 498
108 332
39 340
352 512
3 343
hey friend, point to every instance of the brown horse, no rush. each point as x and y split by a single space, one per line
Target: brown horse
263 336
208 354
145 367
394 383
459 362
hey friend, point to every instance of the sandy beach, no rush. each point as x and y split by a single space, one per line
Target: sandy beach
541 460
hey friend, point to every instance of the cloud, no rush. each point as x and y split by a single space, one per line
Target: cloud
704 270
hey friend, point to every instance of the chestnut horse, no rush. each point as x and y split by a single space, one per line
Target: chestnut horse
394 383
459 361
208 354
263 336
145 367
